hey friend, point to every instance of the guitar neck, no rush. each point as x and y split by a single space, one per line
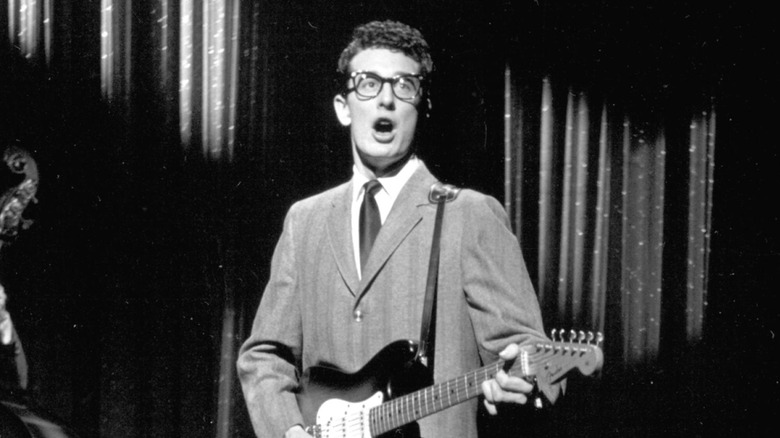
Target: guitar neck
411 407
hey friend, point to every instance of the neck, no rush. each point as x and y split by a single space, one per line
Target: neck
372 171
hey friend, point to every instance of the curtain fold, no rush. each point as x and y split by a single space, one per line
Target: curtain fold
30 24
702 166
186 55
602 228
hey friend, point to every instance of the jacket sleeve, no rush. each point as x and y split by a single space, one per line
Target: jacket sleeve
268 360
503 305
502 302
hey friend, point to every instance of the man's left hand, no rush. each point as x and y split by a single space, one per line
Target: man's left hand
505 388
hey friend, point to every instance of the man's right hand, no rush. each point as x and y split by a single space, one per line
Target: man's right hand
296 432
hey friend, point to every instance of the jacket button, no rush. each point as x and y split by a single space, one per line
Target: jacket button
358 315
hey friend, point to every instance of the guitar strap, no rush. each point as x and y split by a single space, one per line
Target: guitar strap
439 194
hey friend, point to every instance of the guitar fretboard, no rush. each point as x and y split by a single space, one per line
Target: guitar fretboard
411 407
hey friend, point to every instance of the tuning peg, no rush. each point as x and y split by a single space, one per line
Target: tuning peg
572 335
553 332
581 337
599 338
590 337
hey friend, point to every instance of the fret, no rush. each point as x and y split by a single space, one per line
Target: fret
399 413
384 408
439 398
385 416
404 412
391 414
413 404
373 421
401 410
415 400
408 409
384 423
425 402
394 414
457 394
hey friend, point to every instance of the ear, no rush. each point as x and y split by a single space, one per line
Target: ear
342 110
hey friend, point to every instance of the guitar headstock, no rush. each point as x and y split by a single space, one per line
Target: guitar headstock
551 361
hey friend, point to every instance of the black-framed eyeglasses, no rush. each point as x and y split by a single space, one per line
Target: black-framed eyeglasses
368 85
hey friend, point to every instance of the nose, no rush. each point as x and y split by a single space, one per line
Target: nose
386 97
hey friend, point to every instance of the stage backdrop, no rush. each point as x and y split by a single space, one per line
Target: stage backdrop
172 135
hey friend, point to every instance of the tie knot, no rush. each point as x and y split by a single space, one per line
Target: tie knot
372 187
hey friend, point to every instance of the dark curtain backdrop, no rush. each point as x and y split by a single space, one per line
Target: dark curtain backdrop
624 139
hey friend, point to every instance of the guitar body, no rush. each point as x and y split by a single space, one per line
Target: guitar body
338 402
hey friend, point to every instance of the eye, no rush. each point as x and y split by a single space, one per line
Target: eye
368 82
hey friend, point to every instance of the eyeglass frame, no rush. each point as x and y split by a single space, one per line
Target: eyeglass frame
392 80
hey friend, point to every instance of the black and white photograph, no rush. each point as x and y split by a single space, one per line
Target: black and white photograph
370 219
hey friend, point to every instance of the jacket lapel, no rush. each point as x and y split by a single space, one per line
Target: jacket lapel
340 236
403 217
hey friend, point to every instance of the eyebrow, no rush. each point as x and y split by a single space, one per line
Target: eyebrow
402 73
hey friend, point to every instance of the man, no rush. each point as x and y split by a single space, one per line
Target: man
328 303
13 363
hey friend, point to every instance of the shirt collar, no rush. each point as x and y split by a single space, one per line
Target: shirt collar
391 185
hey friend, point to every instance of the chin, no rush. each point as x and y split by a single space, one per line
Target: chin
381 153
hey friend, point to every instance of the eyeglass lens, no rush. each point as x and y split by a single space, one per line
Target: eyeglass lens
369 85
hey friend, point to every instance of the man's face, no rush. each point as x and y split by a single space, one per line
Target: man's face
382 128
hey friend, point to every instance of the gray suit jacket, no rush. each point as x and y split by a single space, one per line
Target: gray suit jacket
309 311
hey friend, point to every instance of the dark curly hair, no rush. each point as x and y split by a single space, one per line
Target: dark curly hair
390 35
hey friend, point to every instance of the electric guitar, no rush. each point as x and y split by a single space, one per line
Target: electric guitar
383 396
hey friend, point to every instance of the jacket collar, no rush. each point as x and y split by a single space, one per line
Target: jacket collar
402 219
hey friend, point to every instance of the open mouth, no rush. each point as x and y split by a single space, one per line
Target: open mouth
383 128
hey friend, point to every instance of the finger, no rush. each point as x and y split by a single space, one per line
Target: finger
510 352
487 390
491 408
512 397
495 395
512 383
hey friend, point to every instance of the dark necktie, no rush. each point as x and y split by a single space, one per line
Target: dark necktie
370 222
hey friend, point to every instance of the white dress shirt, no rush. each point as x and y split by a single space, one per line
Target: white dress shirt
385 197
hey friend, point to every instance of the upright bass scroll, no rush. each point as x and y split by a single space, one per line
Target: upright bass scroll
15 199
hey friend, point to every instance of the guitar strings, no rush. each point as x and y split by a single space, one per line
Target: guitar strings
404 410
